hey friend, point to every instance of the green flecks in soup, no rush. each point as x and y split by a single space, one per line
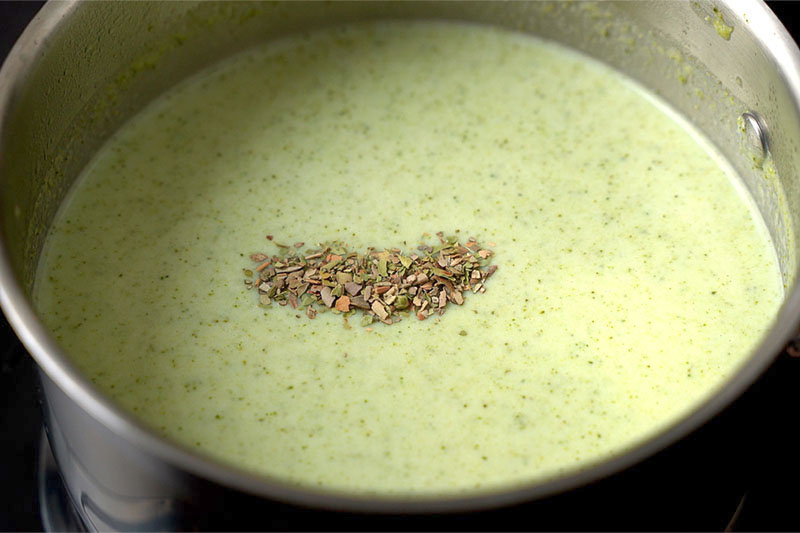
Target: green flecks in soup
636 275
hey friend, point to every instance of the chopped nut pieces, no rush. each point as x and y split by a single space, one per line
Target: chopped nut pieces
385 285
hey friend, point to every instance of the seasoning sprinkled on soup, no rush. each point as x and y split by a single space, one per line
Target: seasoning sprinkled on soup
635 275
386 285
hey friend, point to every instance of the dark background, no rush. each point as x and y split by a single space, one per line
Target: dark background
20 419
746 460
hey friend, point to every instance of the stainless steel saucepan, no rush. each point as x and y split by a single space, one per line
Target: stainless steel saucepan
82 68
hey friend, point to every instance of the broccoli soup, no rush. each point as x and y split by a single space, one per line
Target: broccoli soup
633 273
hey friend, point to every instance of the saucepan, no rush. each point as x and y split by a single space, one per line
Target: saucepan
81 69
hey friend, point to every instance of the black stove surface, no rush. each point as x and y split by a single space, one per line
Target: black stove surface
749 460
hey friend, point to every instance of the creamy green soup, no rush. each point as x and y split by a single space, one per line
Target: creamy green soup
634 273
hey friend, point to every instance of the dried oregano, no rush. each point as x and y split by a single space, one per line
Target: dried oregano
385 285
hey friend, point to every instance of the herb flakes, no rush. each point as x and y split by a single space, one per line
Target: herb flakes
385 285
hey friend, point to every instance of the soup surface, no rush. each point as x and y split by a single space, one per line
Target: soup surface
634 274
